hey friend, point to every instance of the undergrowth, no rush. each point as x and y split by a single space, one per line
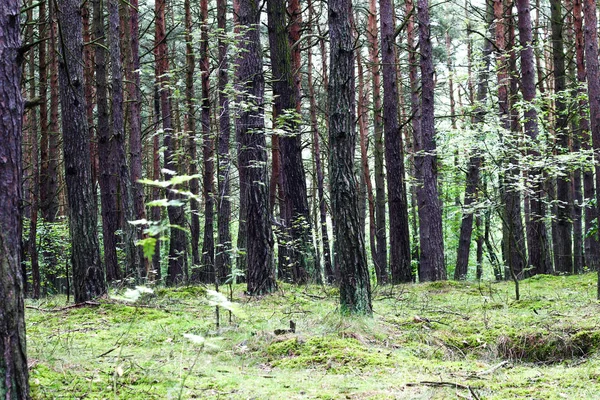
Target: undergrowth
428 341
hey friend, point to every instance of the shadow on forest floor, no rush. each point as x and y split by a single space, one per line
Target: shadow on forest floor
427 341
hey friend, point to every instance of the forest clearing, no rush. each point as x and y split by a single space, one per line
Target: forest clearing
438 340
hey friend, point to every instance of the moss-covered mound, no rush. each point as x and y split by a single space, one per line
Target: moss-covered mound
332 353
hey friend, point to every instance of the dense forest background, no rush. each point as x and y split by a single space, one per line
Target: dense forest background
453 139
346 143
239 142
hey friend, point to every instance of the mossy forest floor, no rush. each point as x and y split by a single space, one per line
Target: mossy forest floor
440 340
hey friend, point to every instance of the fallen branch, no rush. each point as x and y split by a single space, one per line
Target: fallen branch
491 370
446 384
77 305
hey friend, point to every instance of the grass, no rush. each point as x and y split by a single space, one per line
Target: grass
468 334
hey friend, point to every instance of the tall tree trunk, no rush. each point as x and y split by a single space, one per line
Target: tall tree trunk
300 250
400 263
252 154
89 90
192 154
34 186
537 235
593 78
364 158
514 250
88 275
591 243
155 212
432 266
223 250
177 241
13 362
208 243
476 159
108 178
349 247
49 154
413 74
118 156
381 269
135 122
563 253
327 265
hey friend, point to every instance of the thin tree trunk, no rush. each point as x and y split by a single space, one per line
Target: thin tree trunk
432 266
590 31
563 252
107 178
413 67
208 242
381 269
155 212
88 275
135 122
349 248
223 249
177 242
192 154
118 156
514 250
327 265
400 262
364 158
537 235
591 244
476 159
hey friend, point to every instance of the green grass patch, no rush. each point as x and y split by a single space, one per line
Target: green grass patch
167 345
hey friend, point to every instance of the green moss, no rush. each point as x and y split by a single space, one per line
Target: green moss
332 353
182 292
437 331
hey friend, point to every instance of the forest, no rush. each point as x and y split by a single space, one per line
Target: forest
299 198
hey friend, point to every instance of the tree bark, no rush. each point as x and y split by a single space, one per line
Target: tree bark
327 264
381 268
299 244
513 239
223 249
176 213
135 123
107 170
591 243
364 159
88 275
590 32
537 235
13 362
400 262
252 154
476 159
563 253
118 156
349 248
432 266
208 242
